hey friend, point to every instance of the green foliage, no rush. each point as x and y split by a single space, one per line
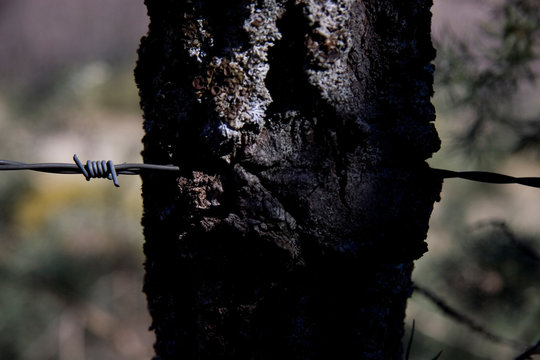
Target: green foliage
484 82
70 251
485 267
74 262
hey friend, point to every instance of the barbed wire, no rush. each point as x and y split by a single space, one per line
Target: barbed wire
92 169
108 170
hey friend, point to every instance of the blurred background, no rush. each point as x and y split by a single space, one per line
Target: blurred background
483 263
71 251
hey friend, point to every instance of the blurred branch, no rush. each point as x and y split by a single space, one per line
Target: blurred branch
464 319
533 350
509 235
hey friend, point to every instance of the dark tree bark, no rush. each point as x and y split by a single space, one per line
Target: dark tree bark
301 128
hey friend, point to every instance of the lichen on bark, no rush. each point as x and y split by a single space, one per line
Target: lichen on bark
301 128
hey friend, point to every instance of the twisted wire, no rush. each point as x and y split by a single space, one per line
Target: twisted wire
108 170
90 170
488 177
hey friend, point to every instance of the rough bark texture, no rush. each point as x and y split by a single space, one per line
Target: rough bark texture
301 128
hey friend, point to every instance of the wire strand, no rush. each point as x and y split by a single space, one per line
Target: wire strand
108 170
90 170
488 177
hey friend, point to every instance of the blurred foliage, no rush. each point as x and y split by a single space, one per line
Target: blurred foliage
483 265
70 251
50 105
494 276
484 82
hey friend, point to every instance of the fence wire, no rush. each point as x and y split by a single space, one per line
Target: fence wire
108 170
90 170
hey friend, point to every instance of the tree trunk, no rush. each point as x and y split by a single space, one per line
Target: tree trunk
301 128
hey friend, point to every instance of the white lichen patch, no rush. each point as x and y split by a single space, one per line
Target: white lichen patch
329 16
329 46
245 98
195 44
234 83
